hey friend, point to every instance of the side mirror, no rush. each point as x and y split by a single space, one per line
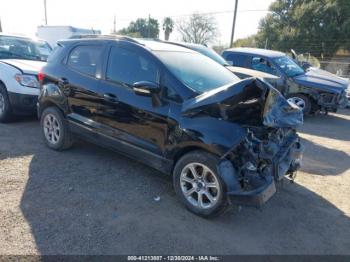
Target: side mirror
305 65
146 88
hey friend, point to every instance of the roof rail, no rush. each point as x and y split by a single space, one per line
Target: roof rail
118 37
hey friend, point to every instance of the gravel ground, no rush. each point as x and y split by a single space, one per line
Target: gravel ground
89 200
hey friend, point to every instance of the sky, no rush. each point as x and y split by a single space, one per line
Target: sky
23 16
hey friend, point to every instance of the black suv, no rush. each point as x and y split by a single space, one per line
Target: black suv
175 110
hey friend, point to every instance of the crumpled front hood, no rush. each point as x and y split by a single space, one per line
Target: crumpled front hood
322 81
248 101
26 66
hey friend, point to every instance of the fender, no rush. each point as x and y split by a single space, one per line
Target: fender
51 94
214 135
294 88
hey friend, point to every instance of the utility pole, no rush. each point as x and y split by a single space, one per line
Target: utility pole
149 26
45 12
114 25
234 23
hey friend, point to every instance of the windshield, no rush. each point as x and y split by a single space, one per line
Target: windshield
22 48
196 71
288 66
211 54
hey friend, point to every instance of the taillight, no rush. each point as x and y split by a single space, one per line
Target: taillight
41 76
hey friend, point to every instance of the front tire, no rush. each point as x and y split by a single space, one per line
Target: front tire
5 106
198 184
55 129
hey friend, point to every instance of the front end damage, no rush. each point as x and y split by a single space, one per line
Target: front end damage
332 102
269 150
261 159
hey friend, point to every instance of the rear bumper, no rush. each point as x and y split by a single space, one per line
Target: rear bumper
22 104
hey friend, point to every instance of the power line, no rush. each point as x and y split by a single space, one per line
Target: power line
203 13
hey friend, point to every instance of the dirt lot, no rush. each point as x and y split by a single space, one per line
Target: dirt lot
89 200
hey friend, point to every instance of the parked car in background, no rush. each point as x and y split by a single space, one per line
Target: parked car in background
20 61
241 72
308 89
174 110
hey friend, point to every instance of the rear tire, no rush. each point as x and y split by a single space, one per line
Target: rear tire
55 129
5 106
302 101
198 184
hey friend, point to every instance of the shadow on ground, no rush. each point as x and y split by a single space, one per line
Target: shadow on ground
90 201
323 161
334 126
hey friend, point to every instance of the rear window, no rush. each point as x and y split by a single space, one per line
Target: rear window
85 59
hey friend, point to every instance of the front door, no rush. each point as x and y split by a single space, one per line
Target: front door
130 117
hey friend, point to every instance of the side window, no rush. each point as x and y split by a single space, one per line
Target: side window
237 60
84 59
261 64
128 67
168 90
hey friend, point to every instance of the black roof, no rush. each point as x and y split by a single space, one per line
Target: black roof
154 45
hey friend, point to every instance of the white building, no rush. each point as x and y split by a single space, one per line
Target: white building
52 34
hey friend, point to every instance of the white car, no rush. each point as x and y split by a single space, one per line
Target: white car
20 62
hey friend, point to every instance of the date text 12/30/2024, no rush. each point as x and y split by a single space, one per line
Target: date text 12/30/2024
174 258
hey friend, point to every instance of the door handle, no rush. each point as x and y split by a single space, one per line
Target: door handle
110 97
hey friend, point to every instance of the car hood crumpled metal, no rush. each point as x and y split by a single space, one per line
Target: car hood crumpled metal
277 111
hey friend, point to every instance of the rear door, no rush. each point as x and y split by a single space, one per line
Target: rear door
80 82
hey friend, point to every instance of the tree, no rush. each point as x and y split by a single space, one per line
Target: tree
318 27
199 29
249 41
147 28
168 25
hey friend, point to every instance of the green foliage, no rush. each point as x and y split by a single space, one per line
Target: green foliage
318 27
168 26
246 42
146 28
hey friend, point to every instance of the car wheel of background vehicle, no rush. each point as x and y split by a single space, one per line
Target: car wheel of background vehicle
55 129
198 185
302 101
5 107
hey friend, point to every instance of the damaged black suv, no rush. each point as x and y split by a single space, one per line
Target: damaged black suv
223 139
